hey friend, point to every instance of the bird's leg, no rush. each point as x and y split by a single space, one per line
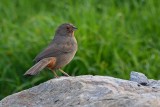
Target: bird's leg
63 72
55 73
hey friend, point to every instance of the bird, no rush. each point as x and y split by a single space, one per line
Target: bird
58 53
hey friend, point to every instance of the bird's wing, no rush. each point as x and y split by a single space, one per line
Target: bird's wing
54 50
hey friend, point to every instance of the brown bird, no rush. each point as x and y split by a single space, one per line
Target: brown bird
59 52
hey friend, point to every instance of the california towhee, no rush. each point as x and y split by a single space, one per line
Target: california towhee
59 52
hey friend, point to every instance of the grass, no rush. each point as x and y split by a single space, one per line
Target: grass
114 38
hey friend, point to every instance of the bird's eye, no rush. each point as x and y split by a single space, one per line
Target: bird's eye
67 27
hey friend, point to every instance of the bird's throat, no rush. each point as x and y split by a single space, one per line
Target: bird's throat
72 34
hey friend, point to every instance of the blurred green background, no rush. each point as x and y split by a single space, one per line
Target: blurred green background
114 38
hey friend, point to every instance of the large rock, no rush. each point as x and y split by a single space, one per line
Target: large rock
87 91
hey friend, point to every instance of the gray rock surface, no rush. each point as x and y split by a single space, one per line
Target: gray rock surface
87 91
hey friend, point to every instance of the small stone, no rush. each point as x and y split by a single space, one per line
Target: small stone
139 78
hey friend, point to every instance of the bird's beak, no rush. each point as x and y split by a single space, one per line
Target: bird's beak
75 28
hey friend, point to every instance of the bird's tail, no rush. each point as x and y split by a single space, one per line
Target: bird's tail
38 67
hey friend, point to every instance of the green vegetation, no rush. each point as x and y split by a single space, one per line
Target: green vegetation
114 37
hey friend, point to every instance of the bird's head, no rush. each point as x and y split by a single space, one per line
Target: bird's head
66 29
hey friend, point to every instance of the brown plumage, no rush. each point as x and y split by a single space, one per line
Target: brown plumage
59 52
